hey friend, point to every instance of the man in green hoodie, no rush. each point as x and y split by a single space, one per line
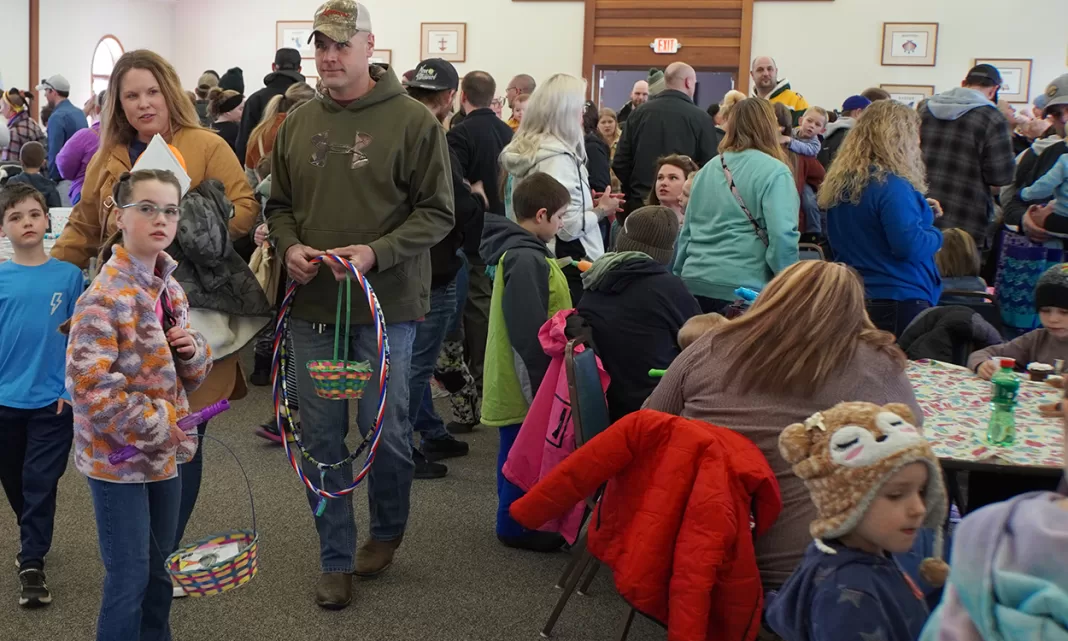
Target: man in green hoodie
360 172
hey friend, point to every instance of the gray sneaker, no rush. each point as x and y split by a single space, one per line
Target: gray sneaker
334 591
33 592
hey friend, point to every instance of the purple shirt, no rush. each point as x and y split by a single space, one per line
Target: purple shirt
74 158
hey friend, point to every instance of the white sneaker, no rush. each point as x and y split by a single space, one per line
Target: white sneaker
179 592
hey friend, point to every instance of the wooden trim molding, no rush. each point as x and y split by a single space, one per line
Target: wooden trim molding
745 50
35 52
589 32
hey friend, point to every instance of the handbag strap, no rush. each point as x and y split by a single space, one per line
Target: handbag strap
761 233
348 317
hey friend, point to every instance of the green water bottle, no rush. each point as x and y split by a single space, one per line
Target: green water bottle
1002 429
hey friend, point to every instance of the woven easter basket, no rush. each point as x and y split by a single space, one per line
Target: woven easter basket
208 578
212 565
339 379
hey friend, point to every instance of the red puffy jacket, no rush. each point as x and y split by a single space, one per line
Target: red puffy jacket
674 521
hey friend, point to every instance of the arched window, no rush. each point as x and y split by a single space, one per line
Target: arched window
108 51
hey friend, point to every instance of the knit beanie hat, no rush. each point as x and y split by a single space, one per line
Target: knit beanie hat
656 81
847 453
1052 288
233 79
651 230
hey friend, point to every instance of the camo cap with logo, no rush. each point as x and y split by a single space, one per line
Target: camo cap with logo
340 20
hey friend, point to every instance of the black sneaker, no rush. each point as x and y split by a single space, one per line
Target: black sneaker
460 428
442 448
535 541
34 592
425 469
261 371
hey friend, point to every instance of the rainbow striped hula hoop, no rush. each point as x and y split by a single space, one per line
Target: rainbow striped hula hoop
291 438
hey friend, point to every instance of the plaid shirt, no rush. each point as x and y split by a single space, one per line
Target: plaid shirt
965 157
23 130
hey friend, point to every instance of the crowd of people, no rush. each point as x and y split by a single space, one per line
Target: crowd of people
486 241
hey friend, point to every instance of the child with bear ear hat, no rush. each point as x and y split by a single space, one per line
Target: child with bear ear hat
875 483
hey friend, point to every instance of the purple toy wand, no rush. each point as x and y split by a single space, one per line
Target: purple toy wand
185 423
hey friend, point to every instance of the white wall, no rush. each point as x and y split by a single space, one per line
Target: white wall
831 50
503 37
15 45
71 29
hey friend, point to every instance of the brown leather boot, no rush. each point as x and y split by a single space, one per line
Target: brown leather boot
374 557
334 591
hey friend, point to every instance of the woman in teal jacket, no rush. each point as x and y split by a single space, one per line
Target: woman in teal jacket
741 222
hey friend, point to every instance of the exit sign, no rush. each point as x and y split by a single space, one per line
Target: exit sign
666 45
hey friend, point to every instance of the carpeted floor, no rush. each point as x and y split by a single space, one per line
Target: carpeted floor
452 580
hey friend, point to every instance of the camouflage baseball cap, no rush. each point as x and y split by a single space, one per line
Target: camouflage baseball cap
340 20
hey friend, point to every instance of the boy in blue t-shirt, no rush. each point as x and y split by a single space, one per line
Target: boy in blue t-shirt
37 295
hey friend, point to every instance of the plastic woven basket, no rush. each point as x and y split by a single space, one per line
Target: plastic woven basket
195 568
220 562
341 378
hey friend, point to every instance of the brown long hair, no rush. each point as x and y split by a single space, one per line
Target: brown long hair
296 95
959 255
751 124
806 324
115 129
685 163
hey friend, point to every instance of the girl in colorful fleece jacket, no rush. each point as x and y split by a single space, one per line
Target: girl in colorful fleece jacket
131 359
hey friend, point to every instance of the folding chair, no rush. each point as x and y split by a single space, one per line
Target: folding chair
984 304
589 413
810 251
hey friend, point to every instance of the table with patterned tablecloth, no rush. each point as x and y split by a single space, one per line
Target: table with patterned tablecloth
956 410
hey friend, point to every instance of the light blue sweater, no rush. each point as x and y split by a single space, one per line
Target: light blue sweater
718 249
1052 183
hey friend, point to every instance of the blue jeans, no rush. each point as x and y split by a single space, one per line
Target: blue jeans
135 523
429 336
894 315
462 278
191 472
507 492
34 449
325 424
813 215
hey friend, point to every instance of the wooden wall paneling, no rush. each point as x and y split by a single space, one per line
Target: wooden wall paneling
714 34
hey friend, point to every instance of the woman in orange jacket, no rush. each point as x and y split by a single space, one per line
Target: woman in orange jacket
145 99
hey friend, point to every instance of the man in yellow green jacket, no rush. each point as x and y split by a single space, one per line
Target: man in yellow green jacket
766 84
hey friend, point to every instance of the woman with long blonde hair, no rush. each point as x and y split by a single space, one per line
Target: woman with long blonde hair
805 345
261 139
741 221
551 140
878 219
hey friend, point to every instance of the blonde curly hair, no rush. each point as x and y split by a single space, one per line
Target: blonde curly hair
884 141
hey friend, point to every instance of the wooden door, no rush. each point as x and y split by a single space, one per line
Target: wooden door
714 34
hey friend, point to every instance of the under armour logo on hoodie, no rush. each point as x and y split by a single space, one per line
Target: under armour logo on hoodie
323 148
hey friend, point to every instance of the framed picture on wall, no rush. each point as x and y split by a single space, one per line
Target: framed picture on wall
910 44
445 40
382 56
295 34
910 95
1015 77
